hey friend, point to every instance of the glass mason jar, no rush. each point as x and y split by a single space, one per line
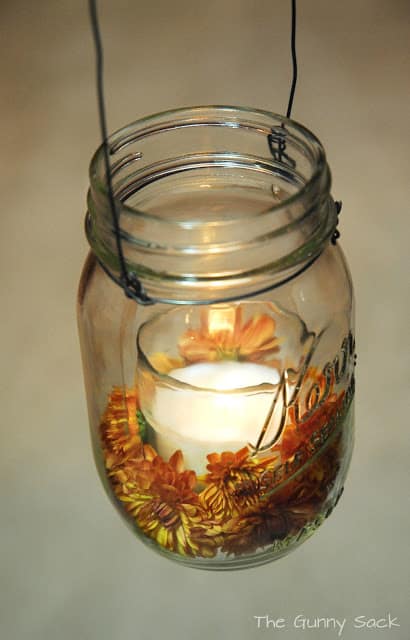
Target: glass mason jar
220 412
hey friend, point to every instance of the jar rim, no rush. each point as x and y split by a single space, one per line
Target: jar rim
164 245
151 124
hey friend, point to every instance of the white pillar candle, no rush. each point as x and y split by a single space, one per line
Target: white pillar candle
201 421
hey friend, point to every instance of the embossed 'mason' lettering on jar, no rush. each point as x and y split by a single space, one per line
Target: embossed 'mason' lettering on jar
221 413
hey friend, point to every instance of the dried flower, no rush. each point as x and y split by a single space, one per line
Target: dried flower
119 428
167 509
224 336
268 521
233 482
253 529
247 501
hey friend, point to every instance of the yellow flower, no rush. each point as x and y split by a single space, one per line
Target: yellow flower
262 525
224 335
119 428
167 509
160 495
253 529
286 512
233 483
132 469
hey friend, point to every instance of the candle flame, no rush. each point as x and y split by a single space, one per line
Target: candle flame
216 320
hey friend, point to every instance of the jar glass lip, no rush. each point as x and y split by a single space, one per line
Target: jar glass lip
248 118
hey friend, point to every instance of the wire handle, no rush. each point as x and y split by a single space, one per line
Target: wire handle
129 280
294 59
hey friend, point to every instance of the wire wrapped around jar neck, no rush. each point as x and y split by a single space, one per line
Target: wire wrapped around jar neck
206 211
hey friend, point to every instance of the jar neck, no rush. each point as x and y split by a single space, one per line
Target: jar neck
213 202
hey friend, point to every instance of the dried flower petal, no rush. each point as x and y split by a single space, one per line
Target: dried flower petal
223 335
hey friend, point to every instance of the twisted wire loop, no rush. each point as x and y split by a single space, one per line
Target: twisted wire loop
277 146
277 137
128 280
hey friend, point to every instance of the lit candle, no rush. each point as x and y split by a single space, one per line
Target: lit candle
213 414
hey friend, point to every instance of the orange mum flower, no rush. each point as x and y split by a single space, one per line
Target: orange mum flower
284 513
254 529
289 509
133 469
223 335
234 483
264 524
119 428
297 434
167 509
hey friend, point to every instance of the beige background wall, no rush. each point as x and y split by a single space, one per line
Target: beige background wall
69 567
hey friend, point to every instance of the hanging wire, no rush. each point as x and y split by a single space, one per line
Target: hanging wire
277 136
129 281
294 59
